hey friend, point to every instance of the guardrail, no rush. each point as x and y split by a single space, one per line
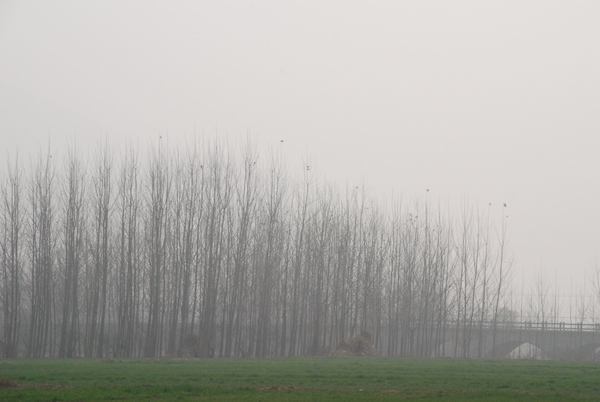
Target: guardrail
533 325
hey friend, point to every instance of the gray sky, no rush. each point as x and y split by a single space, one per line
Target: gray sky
490 101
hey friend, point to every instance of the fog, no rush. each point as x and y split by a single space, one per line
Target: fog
482 104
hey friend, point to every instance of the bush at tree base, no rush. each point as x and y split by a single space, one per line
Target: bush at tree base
358 345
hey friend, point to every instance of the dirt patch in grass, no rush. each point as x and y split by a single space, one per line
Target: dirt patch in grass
430 393
278 388
52 386
8 383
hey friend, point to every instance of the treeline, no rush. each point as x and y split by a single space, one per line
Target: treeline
209 252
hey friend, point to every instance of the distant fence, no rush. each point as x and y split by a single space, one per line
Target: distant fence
532 325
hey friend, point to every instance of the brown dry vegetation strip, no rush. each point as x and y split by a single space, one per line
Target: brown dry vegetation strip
10 383
278 388
51 386
424 393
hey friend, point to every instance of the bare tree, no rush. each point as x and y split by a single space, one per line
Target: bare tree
214 283
73 236
159 182
503 273
301 202
129 275
41 249
97 272
272 237
247 193
11 245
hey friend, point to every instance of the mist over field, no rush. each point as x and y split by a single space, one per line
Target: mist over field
212 251
268 179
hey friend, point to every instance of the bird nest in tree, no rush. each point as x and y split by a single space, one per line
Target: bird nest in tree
359 345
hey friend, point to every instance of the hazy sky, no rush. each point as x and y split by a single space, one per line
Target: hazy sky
487 101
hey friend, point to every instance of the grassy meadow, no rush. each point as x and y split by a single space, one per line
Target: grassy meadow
297 379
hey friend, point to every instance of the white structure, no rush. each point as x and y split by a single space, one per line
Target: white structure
526 351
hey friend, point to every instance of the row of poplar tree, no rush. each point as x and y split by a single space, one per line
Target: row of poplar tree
212 252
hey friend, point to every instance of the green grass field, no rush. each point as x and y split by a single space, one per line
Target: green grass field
295 379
